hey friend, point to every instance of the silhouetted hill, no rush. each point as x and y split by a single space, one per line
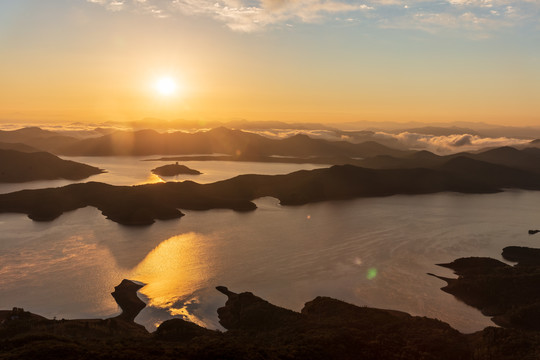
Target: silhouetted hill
140 205
221 141
492 174
17 166
18 147
510 294
510 165
526 159
326 328
37 138
174 169
418 159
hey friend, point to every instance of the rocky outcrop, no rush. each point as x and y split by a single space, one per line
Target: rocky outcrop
126 297
326 328
510 294
246 311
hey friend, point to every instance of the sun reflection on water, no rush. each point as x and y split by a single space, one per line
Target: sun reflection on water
152 179
172 271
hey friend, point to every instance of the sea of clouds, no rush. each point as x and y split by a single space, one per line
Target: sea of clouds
438 144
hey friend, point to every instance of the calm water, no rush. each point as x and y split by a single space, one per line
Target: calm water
373 252
134 171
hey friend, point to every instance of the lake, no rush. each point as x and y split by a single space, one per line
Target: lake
371 251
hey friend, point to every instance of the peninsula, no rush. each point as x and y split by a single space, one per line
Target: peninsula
517 303
143 204
18 166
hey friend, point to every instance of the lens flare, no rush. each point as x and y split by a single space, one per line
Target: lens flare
371 273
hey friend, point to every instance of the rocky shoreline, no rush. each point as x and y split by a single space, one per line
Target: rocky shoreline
326 328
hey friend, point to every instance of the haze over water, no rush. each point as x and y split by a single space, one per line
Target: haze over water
372 251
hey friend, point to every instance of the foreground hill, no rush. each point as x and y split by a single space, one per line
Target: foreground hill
141 205
18 166
325 328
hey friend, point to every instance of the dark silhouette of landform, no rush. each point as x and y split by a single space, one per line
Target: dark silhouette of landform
220 140
326 328
236 145
143 204
37 138
18 147
126 297
509 294
175 169
17 166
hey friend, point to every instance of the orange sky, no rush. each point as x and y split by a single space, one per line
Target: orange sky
95 61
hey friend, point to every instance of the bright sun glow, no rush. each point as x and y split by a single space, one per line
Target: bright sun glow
166 86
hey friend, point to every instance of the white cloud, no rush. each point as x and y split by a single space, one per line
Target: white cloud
449 144
442 145
429 15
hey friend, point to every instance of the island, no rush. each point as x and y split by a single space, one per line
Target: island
174 169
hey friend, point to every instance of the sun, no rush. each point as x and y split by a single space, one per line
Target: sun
166 86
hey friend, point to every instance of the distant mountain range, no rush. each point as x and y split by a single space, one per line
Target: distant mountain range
233 142
37 138
526 159
220 140
438 128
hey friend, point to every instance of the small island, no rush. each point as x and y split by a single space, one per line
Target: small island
174 169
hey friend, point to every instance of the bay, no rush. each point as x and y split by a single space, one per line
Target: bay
372 251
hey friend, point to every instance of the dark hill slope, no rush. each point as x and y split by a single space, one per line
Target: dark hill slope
343 182
525 160
18 147
510 294
528 160
136 205
223 141
17 166
37 138
326 328
492 174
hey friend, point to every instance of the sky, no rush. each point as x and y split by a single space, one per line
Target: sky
288 60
